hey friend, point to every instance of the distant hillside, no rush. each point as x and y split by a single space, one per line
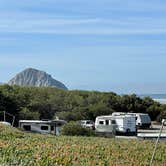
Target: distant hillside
33 77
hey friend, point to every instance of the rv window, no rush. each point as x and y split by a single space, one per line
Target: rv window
44 127
113 122
27 127
101 122
107 122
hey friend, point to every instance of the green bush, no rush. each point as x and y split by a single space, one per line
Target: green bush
75 129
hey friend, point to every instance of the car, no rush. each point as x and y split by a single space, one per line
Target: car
87 124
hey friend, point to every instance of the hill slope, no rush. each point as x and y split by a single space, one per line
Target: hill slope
33 77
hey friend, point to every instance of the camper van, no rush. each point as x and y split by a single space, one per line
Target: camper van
42 126
105 124
125 124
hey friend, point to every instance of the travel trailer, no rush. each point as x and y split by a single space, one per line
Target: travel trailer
125 124
42 126
142 120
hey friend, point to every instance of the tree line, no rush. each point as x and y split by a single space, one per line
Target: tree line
49 103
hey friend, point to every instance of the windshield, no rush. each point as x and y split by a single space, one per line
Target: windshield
145 118
89 122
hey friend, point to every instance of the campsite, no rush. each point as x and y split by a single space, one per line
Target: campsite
21 148
26 146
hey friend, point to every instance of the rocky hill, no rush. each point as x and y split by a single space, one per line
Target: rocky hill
34 77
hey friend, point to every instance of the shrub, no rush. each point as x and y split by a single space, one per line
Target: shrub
75 129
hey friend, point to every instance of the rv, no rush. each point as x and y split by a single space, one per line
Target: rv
125 124
142 120
42 126
105 124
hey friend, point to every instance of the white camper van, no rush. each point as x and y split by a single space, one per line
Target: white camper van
120 124
42 126
105 124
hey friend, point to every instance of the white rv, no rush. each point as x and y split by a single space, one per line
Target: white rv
42 126
125 123
105 124
142 120
120 124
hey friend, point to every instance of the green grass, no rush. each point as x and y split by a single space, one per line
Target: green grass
18 148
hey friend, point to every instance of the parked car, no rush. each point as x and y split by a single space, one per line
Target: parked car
87 124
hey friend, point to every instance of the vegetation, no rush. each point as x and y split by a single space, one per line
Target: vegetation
18 148
75 129
47 103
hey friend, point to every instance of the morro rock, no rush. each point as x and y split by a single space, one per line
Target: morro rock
34 77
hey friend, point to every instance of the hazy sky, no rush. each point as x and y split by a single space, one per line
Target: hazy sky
106 45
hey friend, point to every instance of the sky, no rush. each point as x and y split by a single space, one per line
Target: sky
103 45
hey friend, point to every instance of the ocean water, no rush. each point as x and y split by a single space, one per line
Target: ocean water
157 97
